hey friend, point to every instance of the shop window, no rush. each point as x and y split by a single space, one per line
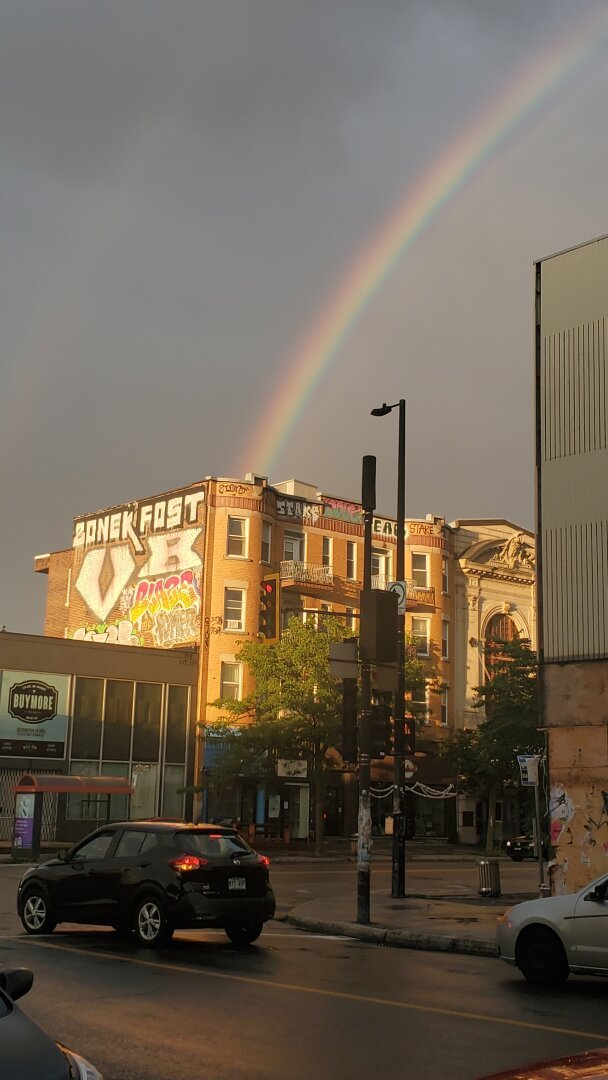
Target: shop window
117 720
88 707
119 804
146 730
85 807
177 723
173 797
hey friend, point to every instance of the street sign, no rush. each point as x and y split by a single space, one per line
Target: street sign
408 768
528 767
399 587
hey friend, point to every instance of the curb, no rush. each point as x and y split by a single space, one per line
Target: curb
398 939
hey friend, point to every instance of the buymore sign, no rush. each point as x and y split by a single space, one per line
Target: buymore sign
33 714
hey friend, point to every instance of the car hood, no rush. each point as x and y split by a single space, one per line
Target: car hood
27 1051
590 1065
545 907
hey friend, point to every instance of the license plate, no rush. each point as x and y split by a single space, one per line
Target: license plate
237 883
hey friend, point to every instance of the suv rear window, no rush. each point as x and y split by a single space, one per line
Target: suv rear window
212 845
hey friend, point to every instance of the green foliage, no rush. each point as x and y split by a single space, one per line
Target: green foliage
486 759
295 708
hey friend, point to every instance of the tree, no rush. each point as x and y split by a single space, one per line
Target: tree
486 758
295 710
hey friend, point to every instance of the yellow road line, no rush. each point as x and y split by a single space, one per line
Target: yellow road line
362 999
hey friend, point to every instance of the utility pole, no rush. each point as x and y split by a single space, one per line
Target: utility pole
364 832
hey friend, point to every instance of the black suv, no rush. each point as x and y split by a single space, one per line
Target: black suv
151 878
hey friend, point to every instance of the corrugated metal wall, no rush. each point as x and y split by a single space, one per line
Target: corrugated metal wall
572 451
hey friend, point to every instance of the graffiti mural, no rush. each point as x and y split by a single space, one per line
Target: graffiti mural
165 612
561 811
137 572
116 633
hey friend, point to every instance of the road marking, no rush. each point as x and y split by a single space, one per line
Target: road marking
362 999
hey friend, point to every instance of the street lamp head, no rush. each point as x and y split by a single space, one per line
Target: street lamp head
383 411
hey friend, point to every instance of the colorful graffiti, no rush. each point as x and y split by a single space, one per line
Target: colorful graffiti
116 633
166 611
561 810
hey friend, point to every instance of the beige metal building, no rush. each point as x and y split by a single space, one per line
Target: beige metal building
572 501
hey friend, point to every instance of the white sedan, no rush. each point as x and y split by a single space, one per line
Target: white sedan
555 935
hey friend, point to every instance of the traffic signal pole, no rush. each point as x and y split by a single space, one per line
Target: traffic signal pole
364 832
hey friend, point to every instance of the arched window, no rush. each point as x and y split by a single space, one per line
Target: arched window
501 628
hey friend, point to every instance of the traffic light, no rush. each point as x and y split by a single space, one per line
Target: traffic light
382 731
349 746
269 608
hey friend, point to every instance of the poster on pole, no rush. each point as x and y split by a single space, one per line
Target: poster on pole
528 768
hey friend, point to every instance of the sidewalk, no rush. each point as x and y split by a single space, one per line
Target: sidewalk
463 925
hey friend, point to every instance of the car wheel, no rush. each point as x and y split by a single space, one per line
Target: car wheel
541 958
244 935
150 922
36 913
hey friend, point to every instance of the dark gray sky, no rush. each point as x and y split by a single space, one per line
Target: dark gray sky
183 185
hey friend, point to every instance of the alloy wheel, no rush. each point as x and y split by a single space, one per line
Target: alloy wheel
34 911
149 921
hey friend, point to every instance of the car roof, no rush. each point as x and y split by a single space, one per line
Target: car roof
171 826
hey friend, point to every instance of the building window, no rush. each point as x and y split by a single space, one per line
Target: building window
146 726
418 705
293 547
266 541
445 643
326 551
117 721
88 711
444 705
381 568
351 560
234 604
420 570
468 819
350 618
237 536
420 633
230 681
177 723
445 579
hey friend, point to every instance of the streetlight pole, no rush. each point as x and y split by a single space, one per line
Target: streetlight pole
398 853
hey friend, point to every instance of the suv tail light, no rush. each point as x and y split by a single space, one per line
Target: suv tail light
264 860
184 863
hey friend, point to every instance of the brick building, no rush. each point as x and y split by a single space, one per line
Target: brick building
184 568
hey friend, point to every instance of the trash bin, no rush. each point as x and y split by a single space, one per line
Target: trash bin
489 877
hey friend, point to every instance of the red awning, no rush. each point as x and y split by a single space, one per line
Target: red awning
85 785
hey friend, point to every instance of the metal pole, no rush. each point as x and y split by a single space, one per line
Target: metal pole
539 839
364 831
398 856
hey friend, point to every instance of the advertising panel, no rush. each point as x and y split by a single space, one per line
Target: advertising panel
33 714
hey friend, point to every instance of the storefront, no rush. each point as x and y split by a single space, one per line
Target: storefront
87 709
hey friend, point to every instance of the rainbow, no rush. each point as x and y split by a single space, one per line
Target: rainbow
306 366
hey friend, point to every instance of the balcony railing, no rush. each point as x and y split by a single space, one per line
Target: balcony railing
417 593
303 573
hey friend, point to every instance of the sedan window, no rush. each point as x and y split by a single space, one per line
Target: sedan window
212 845
96 848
